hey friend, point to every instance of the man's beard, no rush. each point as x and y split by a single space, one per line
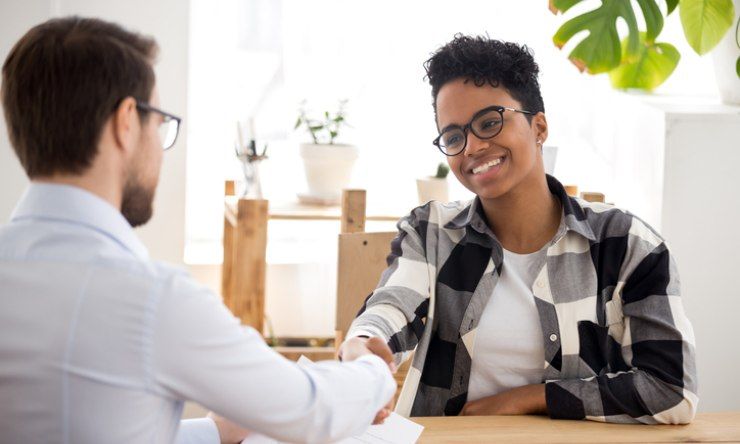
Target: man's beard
136 205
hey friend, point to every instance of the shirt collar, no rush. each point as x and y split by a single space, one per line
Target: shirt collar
573 214
66 203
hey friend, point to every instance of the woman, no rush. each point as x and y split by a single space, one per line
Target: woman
525 300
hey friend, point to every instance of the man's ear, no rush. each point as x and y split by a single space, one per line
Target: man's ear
539 125
126 125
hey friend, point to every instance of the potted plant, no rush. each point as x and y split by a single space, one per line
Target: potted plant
639 61
434 187
727 62
328 165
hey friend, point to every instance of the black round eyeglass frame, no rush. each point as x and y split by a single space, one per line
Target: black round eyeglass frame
469 127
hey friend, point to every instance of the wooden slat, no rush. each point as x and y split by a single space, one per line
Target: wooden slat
707 427
297 211
592 196
353 211
227 266
361 261
315 354
571 190
249 272
229 188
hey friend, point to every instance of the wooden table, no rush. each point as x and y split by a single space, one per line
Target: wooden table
707 427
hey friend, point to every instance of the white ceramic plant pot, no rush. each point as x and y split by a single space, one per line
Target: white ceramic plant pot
725 57
328 169
432 188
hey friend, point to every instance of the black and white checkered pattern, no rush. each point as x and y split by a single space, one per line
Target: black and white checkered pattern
618 346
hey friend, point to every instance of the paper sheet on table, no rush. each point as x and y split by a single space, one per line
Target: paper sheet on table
395 429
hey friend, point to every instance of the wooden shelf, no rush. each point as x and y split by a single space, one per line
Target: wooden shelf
299 211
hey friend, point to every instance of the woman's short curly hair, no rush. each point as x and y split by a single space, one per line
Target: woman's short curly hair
484 60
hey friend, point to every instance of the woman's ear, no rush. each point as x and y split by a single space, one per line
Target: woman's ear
539 126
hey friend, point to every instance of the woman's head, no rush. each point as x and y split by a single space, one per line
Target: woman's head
501 147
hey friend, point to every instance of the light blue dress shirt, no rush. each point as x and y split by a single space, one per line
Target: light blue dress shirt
98 343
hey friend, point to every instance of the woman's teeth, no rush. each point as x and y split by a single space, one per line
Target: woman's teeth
486 166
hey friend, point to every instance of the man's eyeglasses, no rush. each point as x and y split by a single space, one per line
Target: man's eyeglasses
168 129
485 124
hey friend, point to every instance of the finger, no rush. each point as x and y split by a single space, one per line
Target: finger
381 416
378 347
351 349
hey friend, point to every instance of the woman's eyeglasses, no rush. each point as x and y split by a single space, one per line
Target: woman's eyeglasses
485 124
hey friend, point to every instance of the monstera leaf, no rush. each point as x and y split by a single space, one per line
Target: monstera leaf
601 51
705 22
655 62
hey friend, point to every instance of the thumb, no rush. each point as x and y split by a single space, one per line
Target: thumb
378 347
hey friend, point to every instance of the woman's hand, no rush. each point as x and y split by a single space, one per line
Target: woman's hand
527 400
355 347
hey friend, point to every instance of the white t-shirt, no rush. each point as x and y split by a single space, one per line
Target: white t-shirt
509 351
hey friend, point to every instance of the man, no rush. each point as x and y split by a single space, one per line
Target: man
97 341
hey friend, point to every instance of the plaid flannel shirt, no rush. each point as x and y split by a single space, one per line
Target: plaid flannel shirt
618 346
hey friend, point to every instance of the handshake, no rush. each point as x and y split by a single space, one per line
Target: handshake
350 350
355 347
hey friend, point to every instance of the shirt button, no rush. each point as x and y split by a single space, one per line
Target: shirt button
540 284
553 337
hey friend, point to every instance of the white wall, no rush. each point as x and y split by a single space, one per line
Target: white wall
16 19
701 211
168 22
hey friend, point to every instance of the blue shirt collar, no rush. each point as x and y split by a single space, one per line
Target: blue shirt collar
66 203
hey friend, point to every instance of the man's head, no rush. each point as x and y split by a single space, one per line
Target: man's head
72 94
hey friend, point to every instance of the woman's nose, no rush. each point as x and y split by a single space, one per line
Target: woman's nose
475 145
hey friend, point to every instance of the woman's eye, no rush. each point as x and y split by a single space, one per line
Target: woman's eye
451 140
490 123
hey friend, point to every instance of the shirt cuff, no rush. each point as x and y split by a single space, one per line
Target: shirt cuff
198 431
354 333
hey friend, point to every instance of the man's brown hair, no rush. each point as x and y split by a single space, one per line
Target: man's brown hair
62 81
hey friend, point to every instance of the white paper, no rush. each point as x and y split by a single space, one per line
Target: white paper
395 429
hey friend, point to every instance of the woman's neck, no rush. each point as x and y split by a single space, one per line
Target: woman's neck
525 218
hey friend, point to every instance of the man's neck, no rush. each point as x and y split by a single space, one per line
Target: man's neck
526 218
92 183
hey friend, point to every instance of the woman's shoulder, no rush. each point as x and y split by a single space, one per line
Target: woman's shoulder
609 221
438 213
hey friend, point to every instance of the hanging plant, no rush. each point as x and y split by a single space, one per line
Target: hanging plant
638 60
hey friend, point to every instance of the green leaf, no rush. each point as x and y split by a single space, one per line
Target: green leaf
297 123
562 5
442 170
705 22
737 66
339 119
671 5
326 114
653 18
654 64
316 127
600 51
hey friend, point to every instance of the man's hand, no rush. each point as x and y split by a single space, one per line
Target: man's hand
229 432
353 348
527 400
